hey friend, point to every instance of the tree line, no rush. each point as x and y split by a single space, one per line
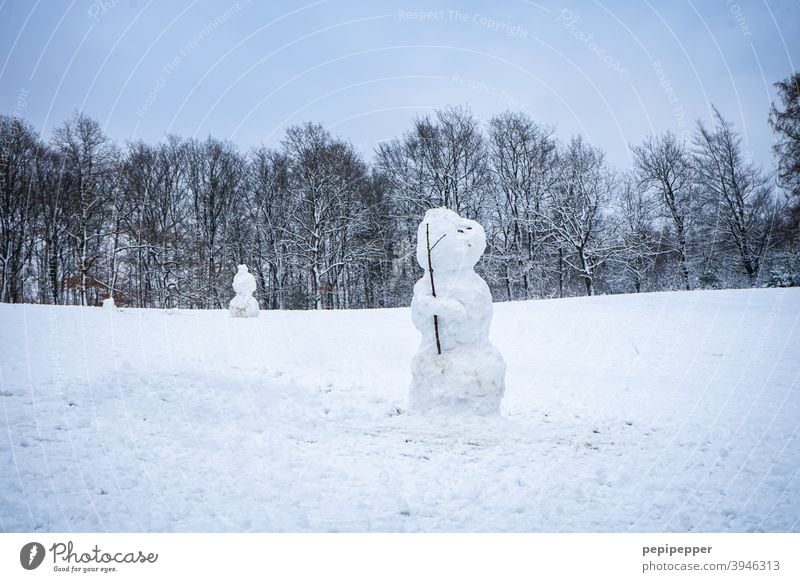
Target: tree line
164 225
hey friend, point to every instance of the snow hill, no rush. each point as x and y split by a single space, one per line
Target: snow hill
653 412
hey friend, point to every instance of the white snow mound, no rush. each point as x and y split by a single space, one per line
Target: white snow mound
656 412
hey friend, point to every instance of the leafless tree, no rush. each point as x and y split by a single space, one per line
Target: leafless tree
88 182
785 121
577 210
18 185
326 181
522 153
152 208
215 177
268 204
664 166
638 242
738 195
52 260
441 162
164 225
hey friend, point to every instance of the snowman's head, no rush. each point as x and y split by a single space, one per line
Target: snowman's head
242 269
458 243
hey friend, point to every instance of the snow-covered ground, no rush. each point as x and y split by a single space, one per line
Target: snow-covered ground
657 412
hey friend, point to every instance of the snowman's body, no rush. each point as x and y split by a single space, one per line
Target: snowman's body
469 375
244 285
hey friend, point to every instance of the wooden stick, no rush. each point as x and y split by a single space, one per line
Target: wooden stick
433 286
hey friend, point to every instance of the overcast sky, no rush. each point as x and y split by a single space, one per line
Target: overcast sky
612 71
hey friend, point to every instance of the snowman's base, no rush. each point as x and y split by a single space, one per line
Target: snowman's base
243 307
468 380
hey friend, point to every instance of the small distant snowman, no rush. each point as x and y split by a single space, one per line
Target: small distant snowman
457 369
244 285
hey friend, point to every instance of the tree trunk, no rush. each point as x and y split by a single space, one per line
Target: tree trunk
82 265
52 267
682 253
316 291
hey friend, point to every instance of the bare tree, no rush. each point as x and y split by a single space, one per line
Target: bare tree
19 152
637 242
442 161
215 177
576 211
326 180
521 158
52 261
152 209
88 176
786 124
737 192
665 166
164 225
268 207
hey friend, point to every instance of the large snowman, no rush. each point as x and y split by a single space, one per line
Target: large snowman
244 285
457 369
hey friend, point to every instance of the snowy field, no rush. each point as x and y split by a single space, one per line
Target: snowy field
656 412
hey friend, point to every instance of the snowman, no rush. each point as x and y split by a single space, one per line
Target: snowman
457 369
244 285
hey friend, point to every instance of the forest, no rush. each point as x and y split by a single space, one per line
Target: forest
164 225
